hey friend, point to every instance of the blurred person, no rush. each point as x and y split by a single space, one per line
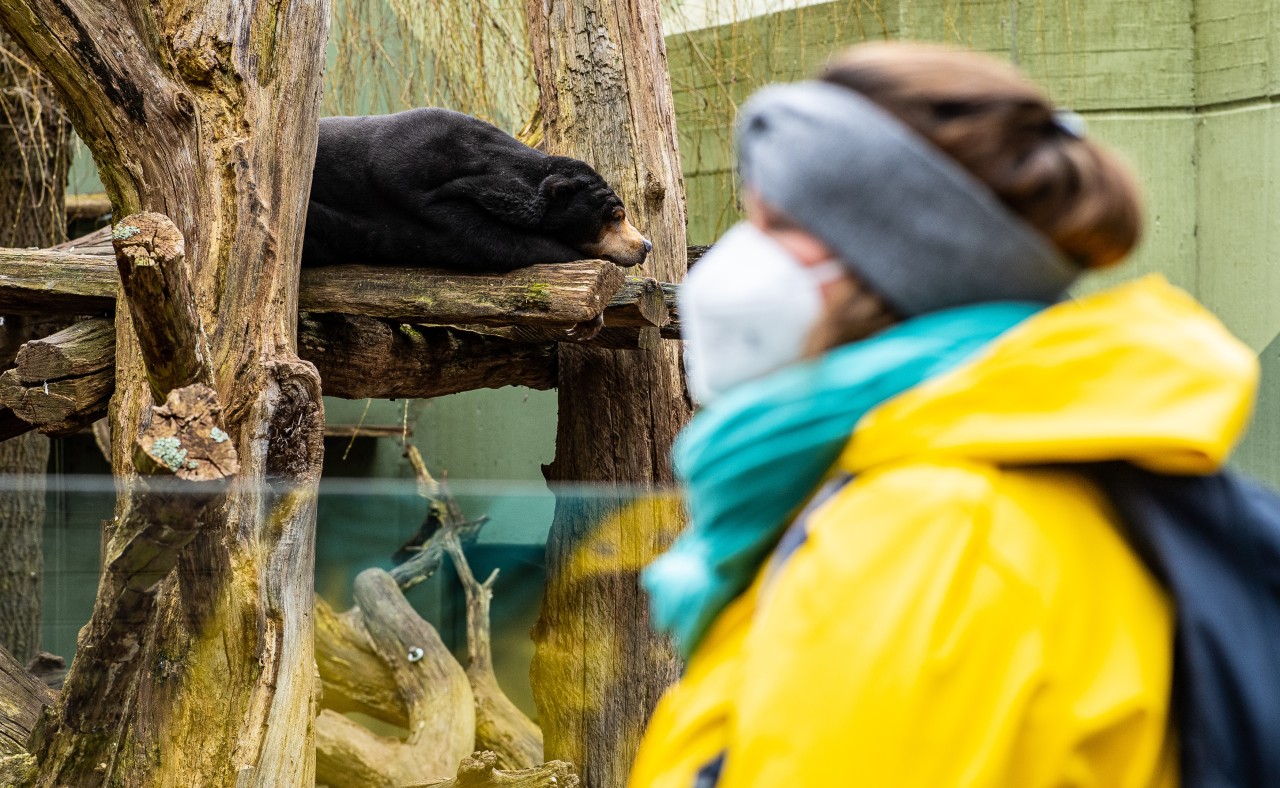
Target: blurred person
898 571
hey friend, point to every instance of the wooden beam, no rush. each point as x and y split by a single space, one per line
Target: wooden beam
62 380
362 357
367 431
80 349
562 294
87 206
48 282
639 302
671 329
81 279
58 406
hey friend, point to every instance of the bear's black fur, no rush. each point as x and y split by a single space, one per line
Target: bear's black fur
436 188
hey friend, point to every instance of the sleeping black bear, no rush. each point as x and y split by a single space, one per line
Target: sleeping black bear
436 188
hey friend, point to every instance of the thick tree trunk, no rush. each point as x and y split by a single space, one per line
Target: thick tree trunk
598 671
34 146
205 112
23 461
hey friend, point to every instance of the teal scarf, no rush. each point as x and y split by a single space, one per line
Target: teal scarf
753 456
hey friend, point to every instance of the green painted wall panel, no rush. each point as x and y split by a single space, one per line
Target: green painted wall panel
1235 44
1238 164
1119 54
1161 148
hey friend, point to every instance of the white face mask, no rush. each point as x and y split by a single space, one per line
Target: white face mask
747 309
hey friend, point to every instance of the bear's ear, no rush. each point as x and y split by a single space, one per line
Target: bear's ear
555 186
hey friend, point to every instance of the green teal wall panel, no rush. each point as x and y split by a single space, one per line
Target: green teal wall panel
1238 164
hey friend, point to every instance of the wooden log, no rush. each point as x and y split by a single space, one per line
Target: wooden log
434 689
151 255
628 338
639 302
49 668
81 348
562 294
360 357
48 405
77 277
352 676
479 770
48 282
357 357
96 243
22 700
87 206
671 329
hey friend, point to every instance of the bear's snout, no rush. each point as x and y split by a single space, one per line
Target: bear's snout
621 244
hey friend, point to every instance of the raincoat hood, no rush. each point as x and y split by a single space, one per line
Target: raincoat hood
1140 373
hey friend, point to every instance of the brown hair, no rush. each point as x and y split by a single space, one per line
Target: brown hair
998 125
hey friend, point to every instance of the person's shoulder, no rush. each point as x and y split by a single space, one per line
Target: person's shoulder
1043 531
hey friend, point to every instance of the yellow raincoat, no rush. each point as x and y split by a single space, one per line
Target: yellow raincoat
964 613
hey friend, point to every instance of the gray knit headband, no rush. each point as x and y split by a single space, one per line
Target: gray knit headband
910 222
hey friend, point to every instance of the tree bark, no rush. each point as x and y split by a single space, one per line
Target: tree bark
22 698
598 670
34 154
206 112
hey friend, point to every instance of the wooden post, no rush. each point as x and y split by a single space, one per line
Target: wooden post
598 671
205 112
